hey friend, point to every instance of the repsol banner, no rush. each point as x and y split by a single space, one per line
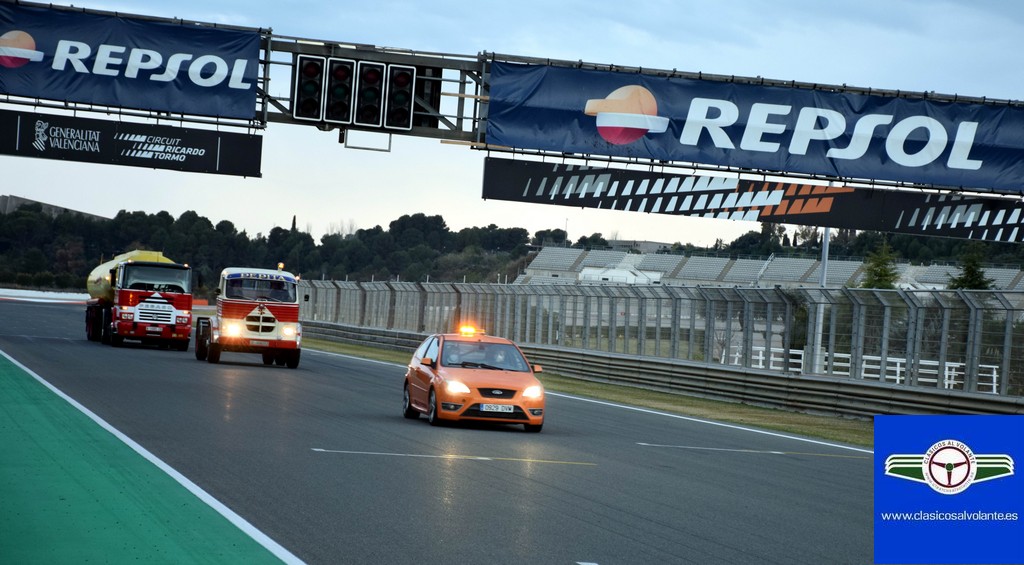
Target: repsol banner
731 198
974 146
86 140
76 56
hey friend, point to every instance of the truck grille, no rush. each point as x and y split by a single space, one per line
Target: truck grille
154 316
260 323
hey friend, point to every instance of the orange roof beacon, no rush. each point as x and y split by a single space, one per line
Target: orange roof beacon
473 376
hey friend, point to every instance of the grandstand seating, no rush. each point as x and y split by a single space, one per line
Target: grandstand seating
561 265
743 271
788 269
703 268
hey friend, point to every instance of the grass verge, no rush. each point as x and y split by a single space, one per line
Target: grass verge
831 428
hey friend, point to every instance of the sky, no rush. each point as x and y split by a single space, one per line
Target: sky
951 47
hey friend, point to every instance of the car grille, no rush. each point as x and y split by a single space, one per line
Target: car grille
497 392
475 412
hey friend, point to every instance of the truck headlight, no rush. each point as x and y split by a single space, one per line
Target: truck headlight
232 329
127 316
288 331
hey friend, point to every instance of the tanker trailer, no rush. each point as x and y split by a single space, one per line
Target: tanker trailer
141 296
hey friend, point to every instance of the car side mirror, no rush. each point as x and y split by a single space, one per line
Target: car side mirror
217 292
427 361
538 369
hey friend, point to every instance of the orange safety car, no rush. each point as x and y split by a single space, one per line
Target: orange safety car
473 376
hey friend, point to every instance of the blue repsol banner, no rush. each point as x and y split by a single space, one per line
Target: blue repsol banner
795 130
90 58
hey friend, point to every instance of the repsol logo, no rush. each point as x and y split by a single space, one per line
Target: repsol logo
146 64
914 141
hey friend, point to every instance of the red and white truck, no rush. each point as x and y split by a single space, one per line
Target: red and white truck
257 312
143 296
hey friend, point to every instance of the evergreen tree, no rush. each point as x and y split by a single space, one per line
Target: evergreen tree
972 274
880 268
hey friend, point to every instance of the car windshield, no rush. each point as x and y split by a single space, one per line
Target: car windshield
259 289
159 279
496 356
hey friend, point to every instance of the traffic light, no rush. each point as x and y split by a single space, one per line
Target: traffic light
399 101
308 88
369 94
340 76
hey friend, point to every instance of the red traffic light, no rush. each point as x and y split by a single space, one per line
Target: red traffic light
400 99
369 89
308 88
338 108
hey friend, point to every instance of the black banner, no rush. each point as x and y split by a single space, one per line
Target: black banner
730 198
70 138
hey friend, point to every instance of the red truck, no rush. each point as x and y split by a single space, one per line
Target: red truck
257 312
143 296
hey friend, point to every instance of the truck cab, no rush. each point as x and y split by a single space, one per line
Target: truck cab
257 312
140 296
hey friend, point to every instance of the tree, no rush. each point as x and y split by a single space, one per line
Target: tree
972 274
880 268
595 241
550 237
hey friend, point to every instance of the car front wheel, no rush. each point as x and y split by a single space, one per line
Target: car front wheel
432 410
407 410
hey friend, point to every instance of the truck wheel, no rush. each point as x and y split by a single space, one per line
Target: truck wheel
280 360
268 358
116 340
213 355
293 358
202 346
93 327
105 331
181 345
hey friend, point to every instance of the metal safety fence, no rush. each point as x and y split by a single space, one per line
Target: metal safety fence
951 340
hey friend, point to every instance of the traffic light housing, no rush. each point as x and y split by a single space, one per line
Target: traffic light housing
341 74
400 99
308 88
369 95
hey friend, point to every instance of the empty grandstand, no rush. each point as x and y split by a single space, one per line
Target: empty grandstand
570 266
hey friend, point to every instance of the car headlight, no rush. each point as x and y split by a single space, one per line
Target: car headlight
232 329
455 387
535 391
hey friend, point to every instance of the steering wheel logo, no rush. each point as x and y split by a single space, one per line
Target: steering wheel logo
949 466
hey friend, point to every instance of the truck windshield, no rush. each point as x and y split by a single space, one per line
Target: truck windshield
257 289
157 278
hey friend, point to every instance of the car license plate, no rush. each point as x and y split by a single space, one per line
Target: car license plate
496 408
259 343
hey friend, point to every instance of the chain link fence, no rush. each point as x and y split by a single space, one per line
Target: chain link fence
953 340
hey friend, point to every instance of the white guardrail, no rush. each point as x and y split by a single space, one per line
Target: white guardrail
894 371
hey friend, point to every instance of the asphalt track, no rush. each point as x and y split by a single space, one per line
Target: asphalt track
238 462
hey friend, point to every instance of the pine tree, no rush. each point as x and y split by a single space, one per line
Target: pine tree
880 268
972 274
